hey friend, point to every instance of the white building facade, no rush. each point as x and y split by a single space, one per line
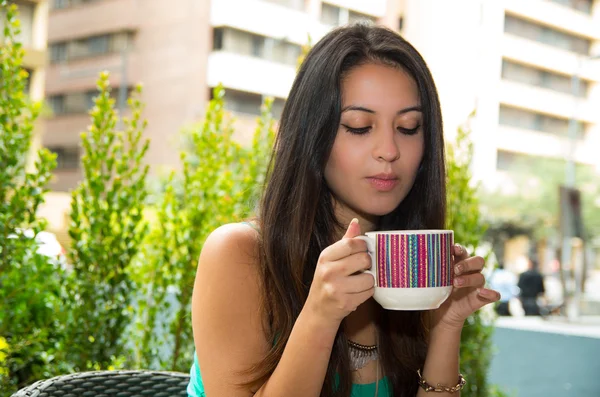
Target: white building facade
510 61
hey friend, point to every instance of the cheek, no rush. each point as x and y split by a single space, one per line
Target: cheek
340 165
335 168
415 154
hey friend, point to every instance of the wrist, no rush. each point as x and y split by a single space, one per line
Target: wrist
325 330
446 330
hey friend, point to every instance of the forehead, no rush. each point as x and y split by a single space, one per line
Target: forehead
379 87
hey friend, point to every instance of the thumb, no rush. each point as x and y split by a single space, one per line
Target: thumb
353 229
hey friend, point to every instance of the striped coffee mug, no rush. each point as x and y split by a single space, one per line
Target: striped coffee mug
412 268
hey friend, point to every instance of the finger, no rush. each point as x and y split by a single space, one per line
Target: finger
460 253
360 298
470 280
354 264
358 283
469 265
480 297
353 229
488 295
344 248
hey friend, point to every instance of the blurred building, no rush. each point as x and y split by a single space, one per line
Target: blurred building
513 61
180 51
154 42
256 57
33 15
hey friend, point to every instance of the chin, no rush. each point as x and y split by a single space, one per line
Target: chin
380 208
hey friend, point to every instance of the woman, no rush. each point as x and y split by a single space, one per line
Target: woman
281 304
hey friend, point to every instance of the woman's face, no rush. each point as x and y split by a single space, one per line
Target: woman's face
379 143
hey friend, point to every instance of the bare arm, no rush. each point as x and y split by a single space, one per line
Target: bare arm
226 316
441 364
442 361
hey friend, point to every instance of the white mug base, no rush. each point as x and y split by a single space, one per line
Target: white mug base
411 298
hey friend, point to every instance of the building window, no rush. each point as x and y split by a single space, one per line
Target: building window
546 35
354 17
281 51
217 39
520 73
330 15
60 4
249 103
242 102
58 52
76 102
512 161
67 158
27 86
245 43
584 6
294 4
90 47
525 119
258 45
335 16
98 45
57 104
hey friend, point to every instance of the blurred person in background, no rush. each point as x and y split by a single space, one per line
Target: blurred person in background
505 282
531 284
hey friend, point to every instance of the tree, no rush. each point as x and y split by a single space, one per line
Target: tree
464 217
107 229
535 204
220 184
29 282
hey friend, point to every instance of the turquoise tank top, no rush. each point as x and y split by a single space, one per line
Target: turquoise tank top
196 389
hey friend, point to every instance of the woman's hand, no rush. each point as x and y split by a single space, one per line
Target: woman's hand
468 294
339 285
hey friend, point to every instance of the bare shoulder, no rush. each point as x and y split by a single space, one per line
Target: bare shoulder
231 243
229 260
227 314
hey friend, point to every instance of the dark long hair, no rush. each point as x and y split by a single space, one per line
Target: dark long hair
297 219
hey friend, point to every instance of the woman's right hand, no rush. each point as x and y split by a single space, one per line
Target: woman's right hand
340 285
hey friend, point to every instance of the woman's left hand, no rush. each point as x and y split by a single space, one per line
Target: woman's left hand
468 294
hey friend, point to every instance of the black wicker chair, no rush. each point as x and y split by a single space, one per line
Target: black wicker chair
110 384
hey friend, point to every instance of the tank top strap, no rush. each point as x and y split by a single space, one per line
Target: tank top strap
251 224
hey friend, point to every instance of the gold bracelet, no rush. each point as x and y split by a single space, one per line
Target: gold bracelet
441 388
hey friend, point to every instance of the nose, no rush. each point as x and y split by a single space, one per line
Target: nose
386 147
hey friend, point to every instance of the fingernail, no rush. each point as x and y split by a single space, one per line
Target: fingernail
458 249
458 269
486 293
354 220
459 281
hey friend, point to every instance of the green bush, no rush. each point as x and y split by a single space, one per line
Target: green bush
220 184
29 282
464 217
107 229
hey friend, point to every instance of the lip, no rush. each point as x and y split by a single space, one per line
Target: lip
383 182
384 176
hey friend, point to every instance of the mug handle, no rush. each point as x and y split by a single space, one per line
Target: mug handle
370 250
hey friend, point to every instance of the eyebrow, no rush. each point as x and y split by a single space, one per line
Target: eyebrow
416 108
